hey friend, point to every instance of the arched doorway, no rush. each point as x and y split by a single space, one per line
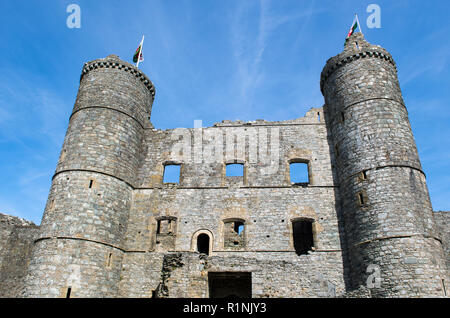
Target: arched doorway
203 243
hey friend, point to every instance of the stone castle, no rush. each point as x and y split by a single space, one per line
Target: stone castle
360 225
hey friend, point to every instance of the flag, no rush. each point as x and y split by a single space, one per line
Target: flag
138 56
353 27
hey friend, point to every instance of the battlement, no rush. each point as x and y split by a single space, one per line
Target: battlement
356 47
113 61
313 116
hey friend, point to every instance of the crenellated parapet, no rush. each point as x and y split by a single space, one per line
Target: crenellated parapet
113 61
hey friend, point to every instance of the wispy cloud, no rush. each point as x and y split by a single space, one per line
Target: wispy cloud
250 39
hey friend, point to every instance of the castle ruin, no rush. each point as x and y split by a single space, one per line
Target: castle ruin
360 225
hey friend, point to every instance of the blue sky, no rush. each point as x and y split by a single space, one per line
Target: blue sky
209 60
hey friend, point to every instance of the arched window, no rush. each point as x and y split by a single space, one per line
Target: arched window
203 243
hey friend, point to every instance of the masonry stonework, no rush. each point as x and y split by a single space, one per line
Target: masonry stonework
113 228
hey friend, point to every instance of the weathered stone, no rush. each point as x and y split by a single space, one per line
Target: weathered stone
113 228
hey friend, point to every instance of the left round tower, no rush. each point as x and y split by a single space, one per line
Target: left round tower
80 248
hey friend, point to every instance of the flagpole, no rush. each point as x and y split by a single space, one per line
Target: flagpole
140 51
359 25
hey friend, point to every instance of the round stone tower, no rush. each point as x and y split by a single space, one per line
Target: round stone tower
388 218
80 247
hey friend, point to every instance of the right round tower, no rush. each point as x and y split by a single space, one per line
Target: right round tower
391 238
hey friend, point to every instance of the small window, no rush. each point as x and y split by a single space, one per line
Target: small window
303 236
91 183
362 198
363 175
203 243
51 205
234 234
299 172
109 260
235 170
342 117
172 173
165 226
69 291
239 227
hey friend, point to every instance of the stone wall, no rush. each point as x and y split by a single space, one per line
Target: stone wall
266 201
113 228
442 219
16 241
385 202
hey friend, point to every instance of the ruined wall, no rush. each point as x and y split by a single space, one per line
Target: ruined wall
264 200
273 274
16 241
442 219
113 228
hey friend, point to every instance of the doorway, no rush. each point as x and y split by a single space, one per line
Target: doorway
230 284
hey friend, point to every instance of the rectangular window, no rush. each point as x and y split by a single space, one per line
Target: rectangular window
299 172
109 260
235 170
362 198
172 174
303 236
69 291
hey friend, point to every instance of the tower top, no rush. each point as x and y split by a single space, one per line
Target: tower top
355 47
114 62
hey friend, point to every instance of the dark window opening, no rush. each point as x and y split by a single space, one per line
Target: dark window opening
361 198
235 170
303 236
299 172
364 175
239 227
69 291
165 226
342 117
203 243
109 259
91 182
158 227
172 174
230 284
